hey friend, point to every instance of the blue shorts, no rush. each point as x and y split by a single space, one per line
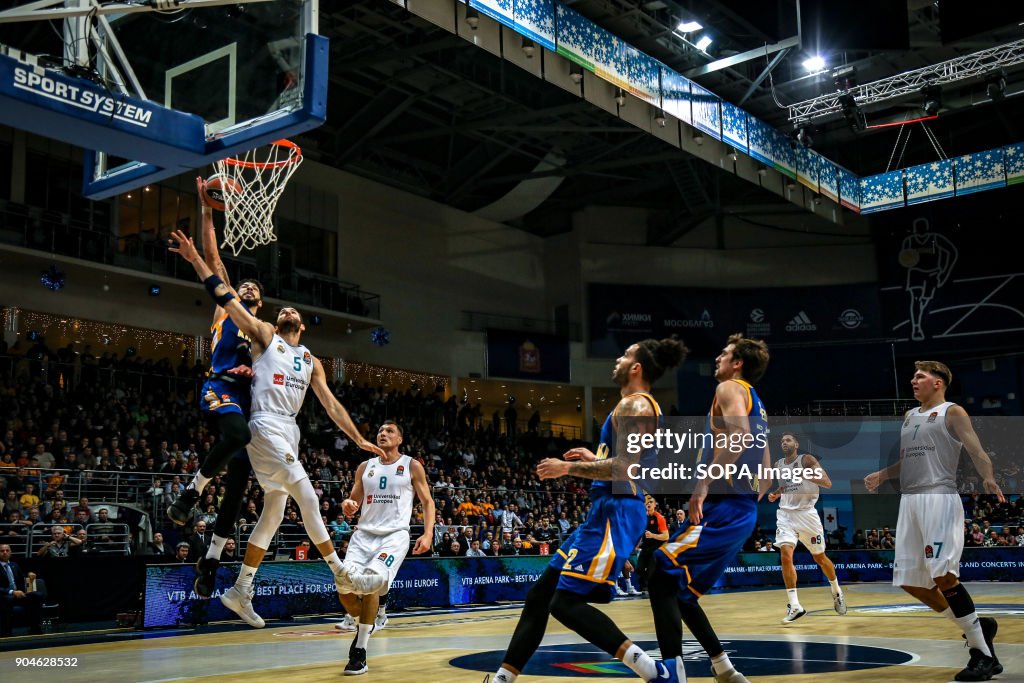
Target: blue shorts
223 397
591 558
696 556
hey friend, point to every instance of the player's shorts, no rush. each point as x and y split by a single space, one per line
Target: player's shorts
800 525
274 452
929 538
697 555
219 396
591 558
385 552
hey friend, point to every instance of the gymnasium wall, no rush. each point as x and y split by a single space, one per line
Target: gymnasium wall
430 262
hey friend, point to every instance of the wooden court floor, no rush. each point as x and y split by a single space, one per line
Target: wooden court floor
884 637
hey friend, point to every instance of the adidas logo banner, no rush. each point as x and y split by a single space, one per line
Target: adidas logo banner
801 323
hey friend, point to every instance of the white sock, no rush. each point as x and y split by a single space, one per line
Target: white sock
794 601
721 663
972 629
382 610
199 482
640 662
834 583
245 577
216 547
363 636
334 562
505 676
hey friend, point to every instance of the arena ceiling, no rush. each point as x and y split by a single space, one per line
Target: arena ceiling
416 107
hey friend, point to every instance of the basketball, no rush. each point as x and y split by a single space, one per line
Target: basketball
218 187
909 258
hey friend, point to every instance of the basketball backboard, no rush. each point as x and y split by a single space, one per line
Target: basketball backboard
154 93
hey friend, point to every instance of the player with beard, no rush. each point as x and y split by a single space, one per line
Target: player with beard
590 560
224 400
798 522
283 371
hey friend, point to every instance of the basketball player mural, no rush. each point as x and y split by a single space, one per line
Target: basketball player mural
930 525
383 493
283 371
929 259
590 560
798 522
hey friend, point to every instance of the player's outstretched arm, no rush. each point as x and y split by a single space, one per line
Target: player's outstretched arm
635 415
584 454
260 332
350 506
959 423
211 253
422 489
336 411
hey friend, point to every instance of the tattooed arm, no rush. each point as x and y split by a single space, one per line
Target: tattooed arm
633 416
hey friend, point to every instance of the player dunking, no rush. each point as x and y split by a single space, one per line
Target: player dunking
930 525
283 371
797 522
590 560
229 345
722 514
383 490
224 401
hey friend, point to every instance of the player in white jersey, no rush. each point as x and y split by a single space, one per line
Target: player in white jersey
283 370
797 521
930 526
383 493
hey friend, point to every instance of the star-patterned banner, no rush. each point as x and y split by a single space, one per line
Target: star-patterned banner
641 75
576 37
499 10
758 136
978 172
808 166
707 112
828 180
882 191
928 182
782 150
1014 157
610 62
734 126
675 95
849 189
535 19
553 25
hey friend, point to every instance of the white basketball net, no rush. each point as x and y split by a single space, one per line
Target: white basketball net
261 175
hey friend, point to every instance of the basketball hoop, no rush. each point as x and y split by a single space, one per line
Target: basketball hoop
261 175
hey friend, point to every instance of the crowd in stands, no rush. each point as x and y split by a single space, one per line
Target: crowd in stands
78 428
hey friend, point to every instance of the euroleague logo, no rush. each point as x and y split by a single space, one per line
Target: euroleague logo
788 658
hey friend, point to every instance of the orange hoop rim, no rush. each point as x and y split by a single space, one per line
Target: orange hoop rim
293 158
